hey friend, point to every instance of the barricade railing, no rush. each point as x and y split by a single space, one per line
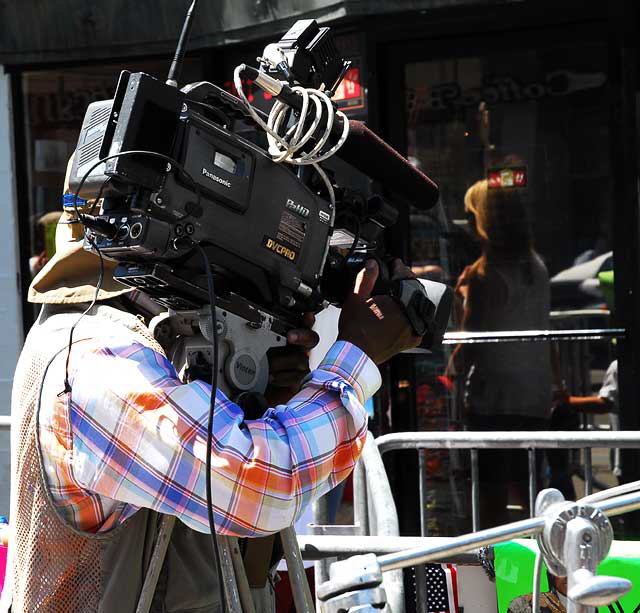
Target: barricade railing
392 553
520 336
376 526
526 441
573 536
375 517
575 356
375 530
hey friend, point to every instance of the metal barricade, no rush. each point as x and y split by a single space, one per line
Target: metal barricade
375 530
579 544
575 366
393 552
526 441
375 516
573 354
376 526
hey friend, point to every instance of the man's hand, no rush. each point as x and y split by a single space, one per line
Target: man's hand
377 324
289 365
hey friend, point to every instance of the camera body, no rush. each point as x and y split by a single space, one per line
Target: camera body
183 195
267 233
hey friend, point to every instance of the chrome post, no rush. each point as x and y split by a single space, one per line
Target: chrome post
360 515
420 576
576 537
384 516
588 472
533 481
422 476
475 491
421 589
459 544
527 527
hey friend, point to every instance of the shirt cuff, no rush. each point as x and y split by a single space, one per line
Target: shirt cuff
355 366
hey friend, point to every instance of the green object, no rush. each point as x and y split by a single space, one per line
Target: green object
514 572
50 239
606 285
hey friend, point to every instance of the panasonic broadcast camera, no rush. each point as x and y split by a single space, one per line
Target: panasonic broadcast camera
165 186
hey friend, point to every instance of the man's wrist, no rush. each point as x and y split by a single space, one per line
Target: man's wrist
355 366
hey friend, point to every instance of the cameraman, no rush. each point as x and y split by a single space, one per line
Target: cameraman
106 438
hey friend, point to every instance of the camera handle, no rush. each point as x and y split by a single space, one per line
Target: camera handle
427 304
414 300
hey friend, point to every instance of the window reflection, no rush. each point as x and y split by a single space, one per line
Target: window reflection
518 144
55 102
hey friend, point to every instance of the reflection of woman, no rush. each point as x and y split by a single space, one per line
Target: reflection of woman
507 385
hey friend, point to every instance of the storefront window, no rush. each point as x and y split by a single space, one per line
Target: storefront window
542 129
55 102
519 145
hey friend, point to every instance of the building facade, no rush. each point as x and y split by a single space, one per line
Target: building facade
535 95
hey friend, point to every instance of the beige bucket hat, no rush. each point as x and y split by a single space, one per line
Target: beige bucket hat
71 275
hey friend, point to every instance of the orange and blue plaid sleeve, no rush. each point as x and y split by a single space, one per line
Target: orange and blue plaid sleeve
139 440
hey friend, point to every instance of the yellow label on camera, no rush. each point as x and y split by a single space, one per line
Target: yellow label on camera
282 250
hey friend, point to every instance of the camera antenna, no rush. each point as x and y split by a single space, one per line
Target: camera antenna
181 49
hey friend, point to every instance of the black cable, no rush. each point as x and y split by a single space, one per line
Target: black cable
212 404
354 244
99 196
155 154
67 386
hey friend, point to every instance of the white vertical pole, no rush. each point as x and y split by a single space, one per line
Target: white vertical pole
11 304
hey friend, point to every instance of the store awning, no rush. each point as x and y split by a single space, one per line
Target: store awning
36 32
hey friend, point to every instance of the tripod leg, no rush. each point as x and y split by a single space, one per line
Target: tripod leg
244 591
231 592
155 564
299 584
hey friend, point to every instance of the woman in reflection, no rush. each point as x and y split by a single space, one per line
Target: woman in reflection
507 386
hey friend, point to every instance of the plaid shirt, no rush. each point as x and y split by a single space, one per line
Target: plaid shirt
132 435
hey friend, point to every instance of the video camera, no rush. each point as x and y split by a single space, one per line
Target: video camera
174 179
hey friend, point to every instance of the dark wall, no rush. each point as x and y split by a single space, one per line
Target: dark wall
70 30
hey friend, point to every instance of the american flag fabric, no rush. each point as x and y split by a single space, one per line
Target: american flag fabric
132 435
442 588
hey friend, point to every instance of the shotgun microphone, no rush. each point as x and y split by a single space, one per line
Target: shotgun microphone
367 152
